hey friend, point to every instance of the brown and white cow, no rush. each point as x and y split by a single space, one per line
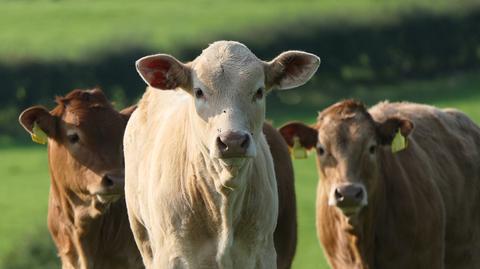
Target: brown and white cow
416 208
87 216
200 185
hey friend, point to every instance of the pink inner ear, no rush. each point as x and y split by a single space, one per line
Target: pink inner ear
294 65
155 63
154 71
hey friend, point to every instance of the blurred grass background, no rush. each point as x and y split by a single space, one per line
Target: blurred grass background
422 51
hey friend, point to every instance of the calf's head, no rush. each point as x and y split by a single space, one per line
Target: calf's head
348 142
85 143
228 84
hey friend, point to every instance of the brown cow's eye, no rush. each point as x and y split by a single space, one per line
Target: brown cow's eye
372 149
259 94
73 138
199 93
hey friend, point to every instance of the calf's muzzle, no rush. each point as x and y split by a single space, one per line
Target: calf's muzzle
349 197
233 144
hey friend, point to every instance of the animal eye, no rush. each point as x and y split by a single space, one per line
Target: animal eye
372 149
199 93
259 94
73 138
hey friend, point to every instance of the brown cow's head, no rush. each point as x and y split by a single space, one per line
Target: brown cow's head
347 141
85 144
228 85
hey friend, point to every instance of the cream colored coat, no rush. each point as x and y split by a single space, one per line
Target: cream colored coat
189 208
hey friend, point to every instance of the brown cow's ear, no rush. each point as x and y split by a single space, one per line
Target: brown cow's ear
386 130
291 69
307 135
42 117
127 112
164 72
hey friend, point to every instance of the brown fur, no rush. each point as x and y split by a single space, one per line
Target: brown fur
285 236
421 201
88 233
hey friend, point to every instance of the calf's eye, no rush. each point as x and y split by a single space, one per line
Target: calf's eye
73 138
199 93
372 149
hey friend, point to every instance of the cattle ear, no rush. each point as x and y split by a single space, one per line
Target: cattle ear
42 117
386 130
291 69
127 112
307 135
164 72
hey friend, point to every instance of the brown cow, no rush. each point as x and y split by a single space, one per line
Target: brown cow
87 216
415 208
285 235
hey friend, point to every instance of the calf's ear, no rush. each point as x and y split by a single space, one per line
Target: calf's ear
290 69
164 72
42 117
307 135
386 130
127 112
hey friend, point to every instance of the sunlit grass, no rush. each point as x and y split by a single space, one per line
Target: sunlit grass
76 29
24 183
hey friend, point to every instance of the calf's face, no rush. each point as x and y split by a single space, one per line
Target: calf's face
228 85
85 143
347 141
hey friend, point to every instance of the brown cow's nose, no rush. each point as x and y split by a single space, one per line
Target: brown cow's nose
233 144
349 195
113 182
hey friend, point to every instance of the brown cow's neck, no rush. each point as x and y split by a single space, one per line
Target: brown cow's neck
86 231
352 242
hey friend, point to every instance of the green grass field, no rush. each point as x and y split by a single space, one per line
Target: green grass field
49 30
25 180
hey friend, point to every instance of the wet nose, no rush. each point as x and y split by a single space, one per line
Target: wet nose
349 195
113 181
233 144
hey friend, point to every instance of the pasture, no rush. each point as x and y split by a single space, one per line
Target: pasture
52 46
25 179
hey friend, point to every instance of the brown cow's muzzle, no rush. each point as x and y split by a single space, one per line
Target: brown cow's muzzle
350 198
111 187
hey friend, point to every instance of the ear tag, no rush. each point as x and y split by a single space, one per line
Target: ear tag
399 142
298 151
38 135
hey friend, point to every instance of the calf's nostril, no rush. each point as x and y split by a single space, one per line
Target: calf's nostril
107 182
246 142
338 195
359 195
221 146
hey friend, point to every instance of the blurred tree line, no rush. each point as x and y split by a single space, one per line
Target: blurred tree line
419 45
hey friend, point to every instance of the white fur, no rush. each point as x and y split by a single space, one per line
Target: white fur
187 207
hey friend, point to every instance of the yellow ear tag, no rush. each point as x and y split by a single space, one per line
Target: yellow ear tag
399 142
298 151
38 135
